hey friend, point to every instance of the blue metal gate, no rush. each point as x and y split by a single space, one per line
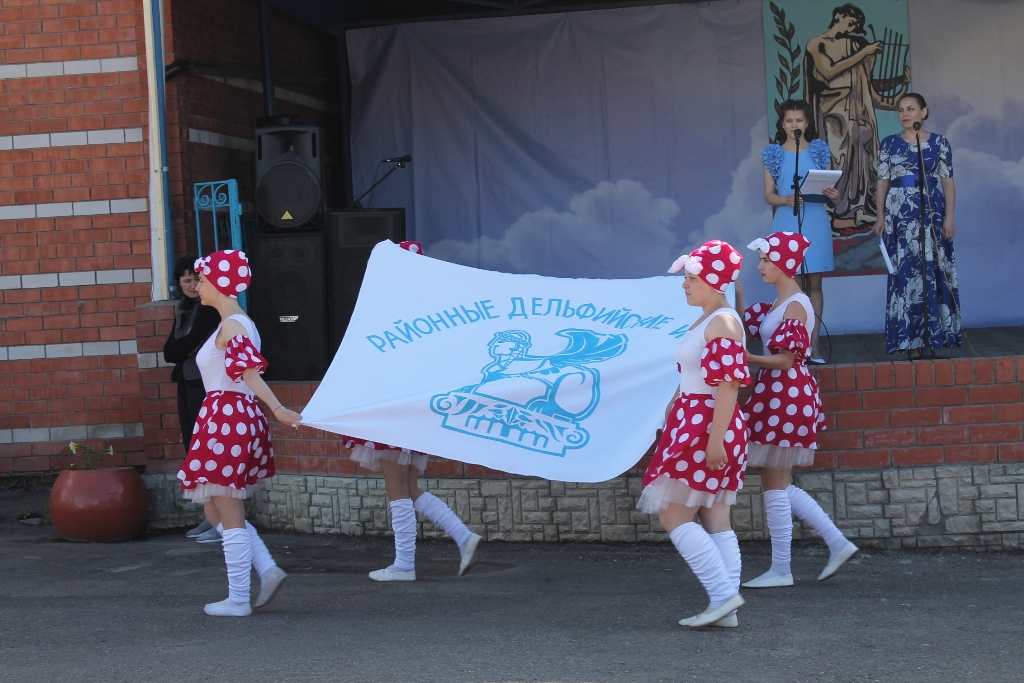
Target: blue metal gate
220 197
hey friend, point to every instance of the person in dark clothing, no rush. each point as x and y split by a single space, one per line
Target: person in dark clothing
193 324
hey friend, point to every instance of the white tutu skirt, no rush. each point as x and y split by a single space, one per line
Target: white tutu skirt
779 457
370 458
664 490
203 493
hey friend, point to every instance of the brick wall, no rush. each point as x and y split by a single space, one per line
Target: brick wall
931 413
74 223
877 416
915 455
226 34
157 395
74 237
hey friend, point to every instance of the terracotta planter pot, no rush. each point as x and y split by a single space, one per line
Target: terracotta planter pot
105 505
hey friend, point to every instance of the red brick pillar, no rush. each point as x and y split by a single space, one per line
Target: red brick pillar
157 393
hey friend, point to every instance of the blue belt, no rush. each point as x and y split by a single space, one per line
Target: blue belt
904 181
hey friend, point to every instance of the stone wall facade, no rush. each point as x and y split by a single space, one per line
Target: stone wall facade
978 507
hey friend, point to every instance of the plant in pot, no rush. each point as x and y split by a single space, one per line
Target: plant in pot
93 503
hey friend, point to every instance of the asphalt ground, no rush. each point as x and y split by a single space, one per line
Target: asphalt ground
566 613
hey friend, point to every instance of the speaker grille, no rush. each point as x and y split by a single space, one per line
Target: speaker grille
287 195
288 303
351 236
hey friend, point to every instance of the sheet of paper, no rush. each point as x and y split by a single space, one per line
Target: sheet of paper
885 256
816 181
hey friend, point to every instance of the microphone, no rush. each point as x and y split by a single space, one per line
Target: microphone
798 133
917 125
399 160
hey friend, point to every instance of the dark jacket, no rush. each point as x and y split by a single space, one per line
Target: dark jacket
193 325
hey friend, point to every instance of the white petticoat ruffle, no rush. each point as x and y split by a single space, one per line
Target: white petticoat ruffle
664 490
203 493
370 458
779 457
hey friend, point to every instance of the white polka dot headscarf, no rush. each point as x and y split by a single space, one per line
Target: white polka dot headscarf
227 270
784 249
714 262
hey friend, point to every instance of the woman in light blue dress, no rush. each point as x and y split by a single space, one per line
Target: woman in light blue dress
780 164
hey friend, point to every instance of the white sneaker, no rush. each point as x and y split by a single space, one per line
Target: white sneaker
710 616
269 585
469 553
387 574
728 621
837 560
770 580
226 608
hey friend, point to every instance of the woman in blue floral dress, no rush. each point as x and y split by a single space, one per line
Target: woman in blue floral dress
780 163
920 314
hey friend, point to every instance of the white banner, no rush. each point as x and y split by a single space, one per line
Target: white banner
564 379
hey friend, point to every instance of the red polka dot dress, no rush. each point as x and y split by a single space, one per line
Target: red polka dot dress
678 472
231 448
784 411
368 454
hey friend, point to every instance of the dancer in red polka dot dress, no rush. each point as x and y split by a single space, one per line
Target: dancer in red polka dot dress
784 410
402 469
698 464
231 449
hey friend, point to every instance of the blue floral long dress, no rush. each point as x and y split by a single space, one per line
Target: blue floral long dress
911 301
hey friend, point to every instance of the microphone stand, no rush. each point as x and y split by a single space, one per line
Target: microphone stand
400 164
796 175
796 199
922 187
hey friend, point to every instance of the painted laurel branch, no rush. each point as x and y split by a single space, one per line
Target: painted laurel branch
787 83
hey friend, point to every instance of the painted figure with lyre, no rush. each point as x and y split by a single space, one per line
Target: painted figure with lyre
846 79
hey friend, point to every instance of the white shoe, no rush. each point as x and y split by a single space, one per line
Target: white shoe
226 608
469 553
837 560
710 616
387 574
770 580
728 621
269 585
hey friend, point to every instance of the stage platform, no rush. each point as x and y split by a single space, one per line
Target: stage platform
987 342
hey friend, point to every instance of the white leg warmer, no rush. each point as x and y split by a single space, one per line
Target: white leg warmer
403 522
238 558
699 551
808 510
729 548
262 562
780 525
434 509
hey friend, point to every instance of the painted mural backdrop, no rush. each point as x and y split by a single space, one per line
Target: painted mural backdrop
602 144
851 63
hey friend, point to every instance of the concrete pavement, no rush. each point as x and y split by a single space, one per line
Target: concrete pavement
569 613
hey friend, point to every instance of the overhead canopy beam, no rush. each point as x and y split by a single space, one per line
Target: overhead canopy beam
508 6
336 17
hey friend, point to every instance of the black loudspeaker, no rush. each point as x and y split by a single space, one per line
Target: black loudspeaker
287 301
289 170
351 236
